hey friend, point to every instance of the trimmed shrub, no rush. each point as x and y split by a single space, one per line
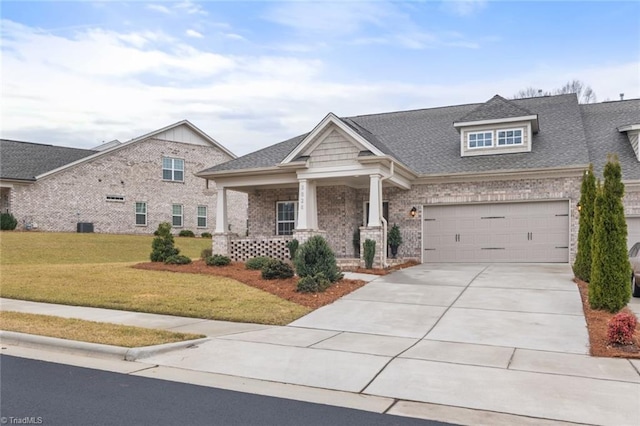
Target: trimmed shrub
186 233
313 284
621 328
276 269
206 235
162 246
582 265
178 259
8 222
293 247
369 253
206 253
257 263
315 257
217 260
610 268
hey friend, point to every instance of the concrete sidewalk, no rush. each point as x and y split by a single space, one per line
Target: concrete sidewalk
495 338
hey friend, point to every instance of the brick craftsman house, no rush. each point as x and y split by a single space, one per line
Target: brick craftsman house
492 182
118 187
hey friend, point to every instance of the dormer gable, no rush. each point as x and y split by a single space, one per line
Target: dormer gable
498 126
633 133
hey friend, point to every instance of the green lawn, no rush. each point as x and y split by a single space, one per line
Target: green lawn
94 270
89 331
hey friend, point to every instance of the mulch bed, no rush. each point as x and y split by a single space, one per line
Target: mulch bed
597 323
285 289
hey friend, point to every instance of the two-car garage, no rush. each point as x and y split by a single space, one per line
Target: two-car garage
497 232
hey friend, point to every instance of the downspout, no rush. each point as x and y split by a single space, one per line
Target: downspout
383 255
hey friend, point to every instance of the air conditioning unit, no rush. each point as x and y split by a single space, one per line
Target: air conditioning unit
85 227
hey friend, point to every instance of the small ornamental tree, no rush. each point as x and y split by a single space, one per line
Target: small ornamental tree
315 257
162 246
582 265
610 270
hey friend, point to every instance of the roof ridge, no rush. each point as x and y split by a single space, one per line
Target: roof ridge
495 101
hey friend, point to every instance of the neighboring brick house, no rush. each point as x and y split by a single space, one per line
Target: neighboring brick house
491 182
127 187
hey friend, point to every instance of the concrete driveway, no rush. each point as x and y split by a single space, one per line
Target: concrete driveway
529 306
502 338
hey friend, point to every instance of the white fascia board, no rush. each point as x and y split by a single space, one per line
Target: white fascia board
572 171
256 180
331 118
533 118
132 141
629 128
340 171
240 172
399 167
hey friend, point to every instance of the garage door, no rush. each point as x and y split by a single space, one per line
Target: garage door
506 232
633 231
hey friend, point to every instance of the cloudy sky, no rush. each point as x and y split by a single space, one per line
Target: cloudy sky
254 73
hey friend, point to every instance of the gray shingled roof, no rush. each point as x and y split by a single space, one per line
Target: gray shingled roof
601 122
494 109
426 141
266 157
26 160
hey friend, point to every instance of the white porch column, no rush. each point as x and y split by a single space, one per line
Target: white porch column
307 205
375 200
221 211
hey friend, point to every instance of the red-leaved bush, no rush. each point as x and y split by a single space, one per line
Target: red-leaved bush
621 328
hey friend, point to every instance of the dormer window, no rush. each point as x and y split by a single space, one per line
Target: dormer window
510 137
480 139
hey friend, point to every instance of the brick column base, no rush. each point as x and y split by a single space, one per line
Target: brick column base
302 235
221 244
372 233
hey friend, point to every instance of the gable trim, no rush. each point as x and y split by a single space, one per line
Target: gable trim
320 128
531 118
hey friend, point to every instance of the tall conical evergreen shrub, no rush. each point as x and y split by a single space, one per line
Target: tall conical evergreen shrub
582 265
610 270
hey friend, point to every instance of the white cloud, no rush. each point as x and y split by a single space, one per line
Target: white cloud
159 8
193 33
190 8
100 85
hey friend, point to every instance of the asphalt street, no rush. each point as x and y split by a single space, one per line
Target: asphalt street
38 392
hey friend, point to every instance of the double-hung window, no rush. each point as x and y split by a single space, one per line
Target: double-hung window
510 137
176 215
141 214
173 169
286 217
202 216
480 139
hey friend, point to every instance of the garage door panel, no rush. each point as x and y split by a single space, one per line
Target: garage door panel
502 232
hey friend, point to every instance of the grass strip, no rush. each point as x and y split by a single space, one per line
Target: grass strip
118 286
89 331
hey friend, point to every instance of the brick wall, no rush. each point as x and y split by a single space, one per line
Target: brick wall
58 202
340 208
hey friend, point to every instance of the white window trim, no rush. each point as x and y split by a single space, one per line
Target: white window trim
146 212
181 216
497 144
198 217
481 132
295 215
173 169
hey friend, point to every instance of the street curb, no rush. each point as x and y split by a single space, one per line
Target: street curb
127 354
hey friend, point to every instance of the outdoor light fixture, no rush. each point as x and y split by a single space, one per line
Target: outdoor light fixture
413 212
579 207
